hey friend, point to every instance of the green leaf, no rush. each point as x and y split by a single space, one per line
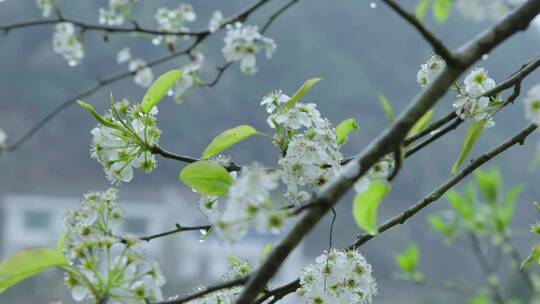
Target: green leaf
27 263
506 211
207 178
421 124
387 107
462 205
159 88
480 298
344 128
267 249
471 136
60 244
421 9
534 255
98 117
234 261
442 9
300 93
366 204
489 182
227 139
408 259
438 224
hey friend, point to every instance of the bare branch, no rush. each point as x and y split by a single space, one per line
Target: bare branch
174 231
206 291
188 159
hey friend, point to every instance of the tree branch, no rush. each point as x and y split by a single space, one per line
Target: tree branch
386 142
206 291
174 231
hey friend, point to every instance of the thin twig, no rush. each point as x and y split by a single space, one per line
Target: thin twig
174 231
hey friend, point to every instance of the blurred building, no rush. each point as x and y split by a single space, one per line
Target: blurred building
35 221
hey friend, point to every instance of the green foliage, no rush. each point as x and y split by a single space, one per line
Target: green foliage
471 136
489 183
421 9
207 178
27 263
442 9
366 204
505 212
300 93
449 231
98 117
344 129
266 251
534 255
407 261
387 107
421 124
159 88
481 297
227 139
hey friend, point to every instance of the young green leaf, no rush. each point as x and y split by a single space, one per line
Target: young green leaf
387 107
421 124
421 9
534 255
98 117
461 204
234 261
207 178
481 297
300 93
441 10
159 88
344 128
227 139
506 211
438 224
27 263
471 136
366 204
408 259
267 249
489 182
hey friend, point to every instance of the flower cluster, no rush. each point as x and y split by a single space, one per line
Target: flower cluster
250 200
125 143
116 13
469 102
379 171
103 265
312 154
225 296
338 277
172 21
215 21
190 77
430 69
143 73
532 105
46 7
243 42
66 43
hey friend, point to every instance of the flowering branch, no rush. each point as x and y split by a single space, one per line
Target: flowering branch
387 141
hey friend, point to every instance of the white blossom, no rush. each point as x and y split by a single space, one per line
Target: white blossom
116 13
107 265
430 69
250 199
118 150
215 21
469 102
338 277
46 7
243 43
3 138
379 171
478 82
173 21
190 77
124 55
532 105
66 43
143 74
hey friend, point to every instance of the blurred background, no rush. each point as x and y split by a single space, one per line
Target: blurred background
361 50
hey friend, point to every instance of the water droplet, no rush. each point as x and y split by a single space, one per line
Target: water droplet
72 63
170 93
201 240
373 5
203 231
485 57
